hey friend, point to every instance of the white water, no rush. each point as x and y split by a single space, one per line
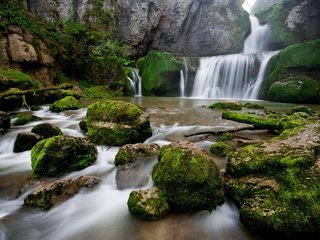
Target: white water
102 213
238 75
184 78
135 82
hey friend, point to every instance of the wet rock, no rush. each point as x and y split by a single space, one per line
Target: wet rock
221 149
276 183
148 204
83 125
25 141
48 195
226 105
4 121
25 118
189 177
64 104
131 152
61 154
46 130
303 109
116 123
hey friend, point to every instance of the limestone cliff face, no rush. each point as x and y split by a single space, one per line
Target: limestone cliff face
183 27
292 21
19 50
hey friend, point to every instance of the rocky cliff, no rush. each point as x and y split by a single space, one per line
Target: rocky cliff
182 27
292 21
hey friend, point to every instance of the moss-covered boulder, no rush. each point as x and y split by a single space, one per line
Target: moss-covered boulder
150 204
61 154
83 125
221 149
293 74
251 105
10 78
160 73
64 104
25 118
48 195
226 105
294 89
46 130
25 141
301 108
116 123
188 177
131 152
277 184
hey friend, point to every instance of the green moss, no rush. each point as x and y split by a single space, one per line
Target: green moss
10 78
61 154
67 103
25 118
159 71
221 149
253 106
46 130
226 105
189 178
303 109
225 137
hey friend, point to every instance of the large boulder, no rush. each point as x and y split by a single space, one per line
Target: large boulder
131 152
188 177
292 21
4 121
292 75
47 195
25 141
116 123
25 118
46 130
64 104
61 154
277 184
148 204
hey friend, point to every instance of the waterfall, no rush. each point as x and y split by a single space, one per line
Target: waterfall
135 83
237 75
184 78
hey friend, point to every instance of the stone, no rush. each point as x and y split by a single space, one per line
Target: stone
148 204
58 155
116 123
64 104
46 130
48 195
132 152
189 177
83 125
25 118
132 176
20 50
5 121
25 141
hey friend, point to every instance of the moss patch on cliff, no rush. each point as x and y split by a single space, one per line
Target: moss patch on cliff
160 72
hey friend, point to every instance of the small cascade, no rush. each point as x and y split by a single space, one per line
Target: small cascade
184 78
236 76
136 83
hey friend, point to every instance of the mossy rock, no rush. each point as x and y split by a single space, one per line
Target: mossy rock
46 130
303 109
5 120
221 149
188 177
10 78
294 89
160 73
253 106
226 105
131 152
225 137
64 104
276 184
61 154
149 204
25 118
83 125
25 141
116 123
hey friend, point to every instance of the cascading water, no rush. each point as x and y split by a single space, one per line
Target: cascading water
135 83
184 78
236 75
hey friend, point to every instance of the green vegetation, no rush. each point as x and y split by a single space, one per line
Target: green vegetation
226 105
10 78
294 71
253 106
188 177
160 72
61 154
117 123
221 149
67 103
25 118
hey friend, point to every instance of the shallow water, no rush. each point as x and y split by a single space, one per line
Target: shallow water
102 213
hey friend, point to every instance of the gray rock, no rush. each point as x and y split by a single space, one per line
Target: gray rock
25 141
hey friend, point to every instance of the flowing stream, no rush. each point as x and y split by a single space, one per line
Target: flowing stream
135 83
102 213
